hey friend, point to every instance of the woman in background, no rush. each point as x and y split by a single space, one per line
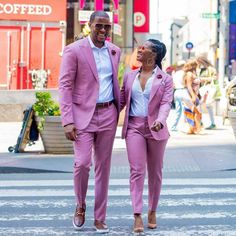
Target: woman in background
191 98
208 78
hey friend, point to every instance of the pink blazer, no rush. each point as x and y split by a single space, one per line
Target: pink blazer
79 82
159 102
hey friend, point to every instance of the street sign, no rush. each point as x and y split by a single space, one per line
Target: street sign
189 45
209 15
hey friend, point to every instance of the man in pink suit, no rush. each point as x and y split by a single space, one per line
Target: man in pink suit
147 94
89 100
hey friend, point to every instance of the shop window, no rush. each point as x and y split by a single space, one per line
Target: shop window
108 5
89 5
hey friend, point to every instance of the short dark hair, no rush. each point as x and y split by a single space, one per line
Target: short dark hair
98 14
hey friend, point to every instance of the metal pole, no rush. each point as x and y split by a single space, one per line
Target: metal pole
8 74
171 44
28 55
21 56
222 41
43 29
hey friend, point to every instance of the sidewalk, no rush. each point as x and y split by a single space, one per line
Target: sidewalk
212 150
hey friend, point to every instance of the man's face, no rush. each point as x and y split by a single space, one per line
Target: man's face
100 29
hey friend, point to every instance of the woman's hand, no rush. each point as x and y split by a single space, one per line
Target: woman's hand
156 126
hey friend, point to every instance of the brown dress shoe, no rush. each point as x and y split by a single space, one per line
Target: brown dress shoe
79 217
100 227
152 220
138 224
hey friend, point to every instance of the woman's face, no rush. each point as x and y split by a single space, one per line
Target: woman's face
145 53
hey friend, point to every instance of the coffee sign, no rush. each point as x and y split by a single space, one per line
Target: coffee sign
33 10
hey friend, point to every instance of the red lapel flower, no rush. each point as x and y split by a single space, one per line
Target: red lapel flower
113 52
159 76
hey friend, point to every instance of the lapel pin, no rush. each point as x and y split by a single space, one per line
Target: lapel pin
113 52
159 76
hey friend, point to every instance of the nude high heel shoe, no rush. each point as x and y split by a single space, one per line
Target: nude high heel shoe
152 220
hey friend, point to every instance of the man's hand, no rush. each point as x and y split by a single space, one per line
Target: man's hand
70 132
156 126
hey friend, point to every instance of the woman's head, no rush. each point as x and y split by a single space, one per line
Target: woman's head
203 61
190 65
152 52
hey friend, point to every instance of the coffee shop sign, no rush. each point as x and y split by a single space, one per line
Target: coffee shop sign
25 9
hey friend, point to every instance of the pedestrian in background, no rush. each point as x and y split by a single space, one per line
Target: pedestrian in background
147 94
208 77
191 99
89 100
178 80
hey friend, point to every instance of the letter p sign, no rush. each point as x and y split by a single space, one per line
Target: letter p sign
139 19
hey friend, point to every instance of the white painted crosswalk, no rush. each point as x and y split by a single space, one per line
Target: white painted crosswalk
188 206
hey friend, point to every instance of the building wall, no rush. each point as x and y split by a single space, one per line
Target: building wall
202 32
28 46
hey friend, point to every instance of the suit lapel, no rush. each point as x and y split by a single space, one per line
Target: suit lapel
112 58
156 83
88 53
130 83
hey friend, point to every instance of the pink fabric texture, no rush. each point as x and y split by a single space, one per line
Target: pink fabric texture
144 151
96 127
145 147
159 102
99 134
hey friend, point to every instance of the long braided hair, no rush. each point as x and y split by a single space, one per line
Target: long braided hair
160 49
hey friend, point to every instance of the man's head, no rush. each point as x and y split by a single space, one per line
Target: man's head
100 26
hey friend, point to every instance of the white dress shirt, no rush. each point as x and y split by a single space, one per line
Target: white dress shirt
139 97
105 74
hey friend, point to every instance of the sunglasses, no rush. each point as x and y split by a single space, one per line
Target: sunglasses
106 27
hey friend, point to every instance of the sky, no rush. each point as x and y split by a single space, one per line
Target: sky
164 15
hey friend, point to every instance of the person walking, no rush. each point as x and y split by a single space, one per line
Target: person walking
191 99
178 79
147 93
208 77
89 97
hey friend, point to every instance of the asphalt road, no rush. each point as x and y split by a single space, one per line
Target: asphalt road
43 204
198 195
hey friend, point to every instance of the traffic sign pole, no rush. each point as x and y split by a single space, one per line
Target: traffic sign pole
189 47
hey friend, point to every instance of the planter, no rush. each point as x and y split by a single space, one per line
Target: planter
232 118
53 137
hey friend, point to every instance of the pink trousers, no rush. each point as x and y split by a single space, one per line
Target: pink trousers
98 136
144 151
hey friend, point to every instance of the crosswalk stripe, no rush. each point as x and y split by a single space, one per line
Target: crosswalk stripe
119 182
121 191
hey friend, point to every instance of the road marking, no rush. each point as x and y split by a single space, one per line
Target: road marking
118 182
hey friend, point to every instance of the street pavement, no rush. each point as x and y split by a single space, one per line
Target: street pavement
197 198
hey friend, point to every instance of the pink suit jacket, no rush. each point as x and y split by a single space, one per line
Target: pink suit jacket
159 102
79 82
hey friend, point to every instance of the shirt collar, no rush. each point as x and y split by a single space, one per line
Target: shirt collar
92 44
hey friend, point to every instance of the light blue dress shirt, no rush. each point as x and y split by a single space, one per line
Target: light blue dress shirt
105 74
139 97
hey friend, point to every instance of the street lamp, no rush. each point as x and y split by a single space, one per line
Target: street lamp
172 39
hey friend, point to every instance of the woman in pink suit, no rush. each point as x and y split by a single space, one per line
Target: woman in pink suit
147 94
